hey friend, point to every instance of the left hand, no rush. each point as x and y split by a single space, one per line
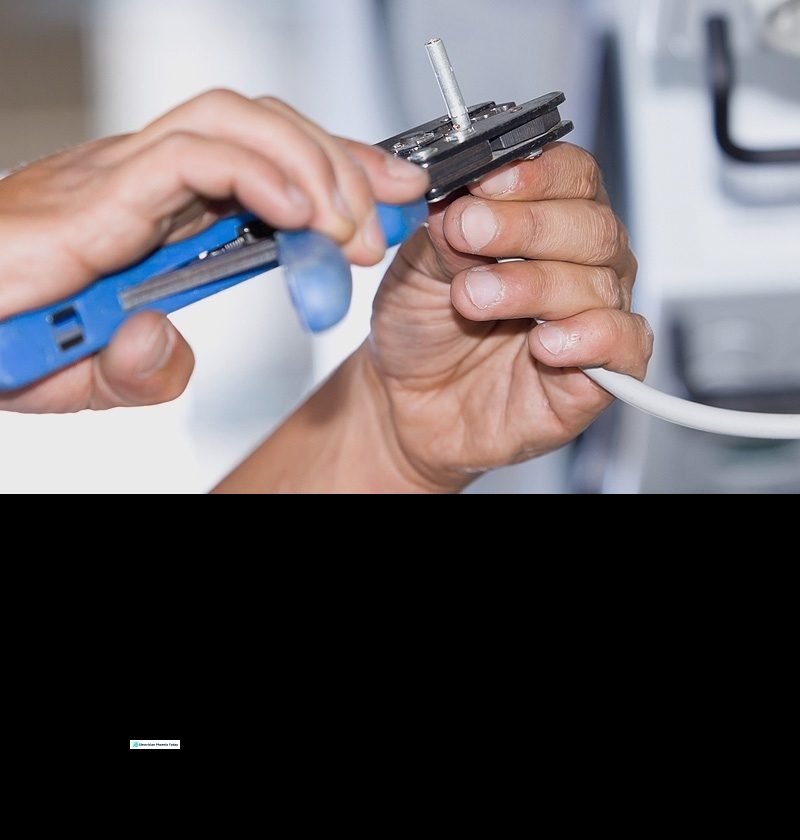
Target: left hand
472 382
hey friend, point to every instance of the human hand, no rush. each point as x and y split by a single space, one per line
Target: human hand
71 218
468 381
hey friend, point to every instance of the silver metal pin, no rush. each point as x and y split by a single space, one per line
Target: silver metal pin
456 107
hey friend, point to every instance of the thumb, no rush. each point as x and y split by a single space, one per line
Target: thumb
146 363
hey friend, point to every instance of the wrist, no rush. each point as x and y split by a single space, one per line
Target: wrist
370 432
406 435
342 439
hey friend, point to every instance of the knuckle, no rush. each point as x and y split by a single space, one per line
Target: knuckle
608 235
529 228
218 98
648 336
633 262
545 281
352 167
616 328
590 179
606 283
177 142
210 106
577 170
273 102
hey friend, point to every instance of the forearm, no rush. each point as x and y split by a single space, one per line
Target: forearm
339 441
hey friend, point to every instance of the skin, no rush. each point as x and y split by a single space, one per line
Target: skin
457 376
68 219
452 383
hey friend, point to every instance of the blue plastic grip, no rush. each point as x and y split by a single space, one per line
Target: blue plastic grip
318 276
320 279
400 221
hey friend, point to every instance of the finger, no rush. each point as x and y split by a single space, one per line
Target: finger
393 180
320 164
268 131
608 338
563 171
548 291
151 189
364 174
148 362
574 230
430 253
352 192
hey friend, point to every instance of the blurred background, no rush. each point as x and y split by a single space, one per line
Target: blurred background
717 233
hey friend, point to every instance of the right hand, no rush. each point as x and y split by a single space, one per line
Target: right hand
71 218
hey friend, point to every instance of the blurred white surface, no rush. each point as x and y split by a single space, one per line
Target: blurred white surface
713 237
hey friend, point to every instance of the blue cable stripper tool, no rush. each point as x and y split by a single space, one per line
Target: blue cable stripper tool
456 150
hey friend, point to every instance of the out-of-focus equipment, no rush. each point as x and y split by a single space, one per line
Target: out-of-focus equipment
722 74
781 25
700 126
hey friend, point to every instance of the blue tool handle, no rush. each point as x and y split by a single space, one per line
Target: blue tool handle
318 276
35 344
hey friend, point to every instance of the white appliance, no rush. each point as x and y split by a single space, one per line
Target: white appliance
710 190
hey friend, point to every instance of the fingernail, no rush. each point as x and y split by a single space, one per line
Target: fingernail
402 169
478 225
156 352
555 340
501 182
298 198
372 234
484 287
